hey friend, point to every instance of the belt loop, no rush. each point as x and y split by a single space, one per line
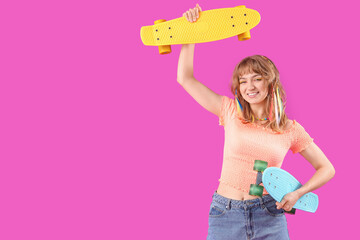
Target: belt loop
228 204
262 203
214 194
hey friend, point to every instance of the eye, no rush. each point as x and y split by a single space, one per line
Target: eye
242 82
259 79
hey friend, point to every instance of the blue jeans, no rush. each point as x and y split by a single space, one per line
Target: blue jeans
250 219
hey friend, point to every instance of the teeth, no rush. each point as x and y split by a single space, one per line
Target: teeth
252 94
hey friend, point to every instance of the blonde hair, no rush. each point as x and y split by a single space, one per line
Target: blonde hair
266 68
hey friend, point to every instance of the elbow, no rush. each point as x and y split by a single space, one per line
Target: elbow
328 170
332 171
180 80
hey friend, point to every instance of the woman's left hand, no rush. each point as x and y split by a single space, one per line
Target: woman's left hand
288 201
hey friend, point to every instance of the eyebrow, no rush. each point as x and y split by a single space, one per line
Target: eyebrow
255 75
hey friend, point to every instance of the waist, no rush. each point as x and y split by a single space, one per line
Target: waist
233 193
241 203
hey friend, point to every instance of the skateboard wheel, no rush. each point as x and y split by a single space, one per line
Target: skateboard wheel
260 165
256 190
244 36
164 49
159 21
292 211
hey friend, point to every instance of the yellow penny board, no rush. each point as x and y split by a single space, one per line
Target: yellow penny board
212 25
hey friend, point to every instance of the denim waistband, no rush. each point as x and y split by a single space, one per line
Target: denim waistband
242 203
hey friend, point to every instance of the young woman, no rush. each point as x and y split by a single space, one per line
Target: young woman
256 127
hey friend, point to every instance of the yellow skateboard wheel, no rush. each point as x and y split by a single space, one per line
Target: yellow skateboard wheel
244 36
163 49
159 21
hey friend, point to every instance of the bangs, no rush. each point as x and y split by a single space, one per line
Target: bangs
248 66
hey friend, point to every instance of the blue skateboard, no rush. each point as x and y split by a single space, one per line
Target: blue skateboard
278 183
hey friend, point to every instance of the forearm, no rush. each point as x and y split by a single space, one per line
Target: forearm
321 176
186 62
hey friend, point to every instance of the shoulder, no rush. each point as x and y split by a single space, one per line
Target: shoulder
227 100
227 109
289 124
234 107
297 129
228 103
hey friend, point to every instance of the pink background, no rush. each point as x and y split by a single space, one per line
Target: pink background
99 141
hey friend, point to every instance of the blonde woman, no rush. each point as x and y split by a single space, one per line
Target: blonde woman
256 127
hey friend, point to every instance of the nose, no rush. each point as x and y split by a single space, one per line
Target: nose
251 85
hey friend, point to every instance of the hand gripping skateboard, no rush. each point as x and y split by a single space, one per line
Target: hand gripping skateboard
278 183
212 25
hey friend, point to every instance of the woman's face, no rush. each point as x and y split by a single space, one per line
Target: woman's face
253 88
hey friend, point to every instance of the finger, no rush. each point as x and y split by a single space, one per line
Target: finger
281 204
188 13
187 16
192 11
198 6
287 207
196 13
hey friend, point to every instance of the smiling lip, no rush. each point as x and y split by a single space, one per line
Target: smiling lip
252 96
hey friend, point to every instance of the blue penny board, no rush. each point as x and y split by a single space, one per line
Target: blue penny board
279 182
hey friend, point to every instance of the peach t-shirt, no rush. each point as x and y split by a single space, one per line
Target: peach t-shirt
247 142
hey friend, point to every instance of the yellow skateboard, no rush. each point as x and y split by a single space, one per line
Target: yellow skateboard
212 25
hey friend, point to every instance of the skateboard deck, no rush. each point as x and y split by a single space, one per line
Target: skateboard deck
279 182
212 25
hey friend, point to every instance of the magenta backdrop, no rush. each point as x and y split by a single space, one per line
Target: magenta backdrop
99 141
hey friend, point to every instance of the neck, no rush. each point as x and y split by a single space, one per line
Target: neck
258 110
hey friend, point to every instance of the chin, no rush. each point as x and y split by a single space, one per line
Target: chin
255 101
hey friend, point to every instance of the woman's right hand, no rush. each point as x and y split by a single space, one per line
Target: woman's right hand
193 14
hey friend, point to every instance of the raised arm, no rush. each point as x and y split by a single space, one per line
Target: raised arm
208 99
